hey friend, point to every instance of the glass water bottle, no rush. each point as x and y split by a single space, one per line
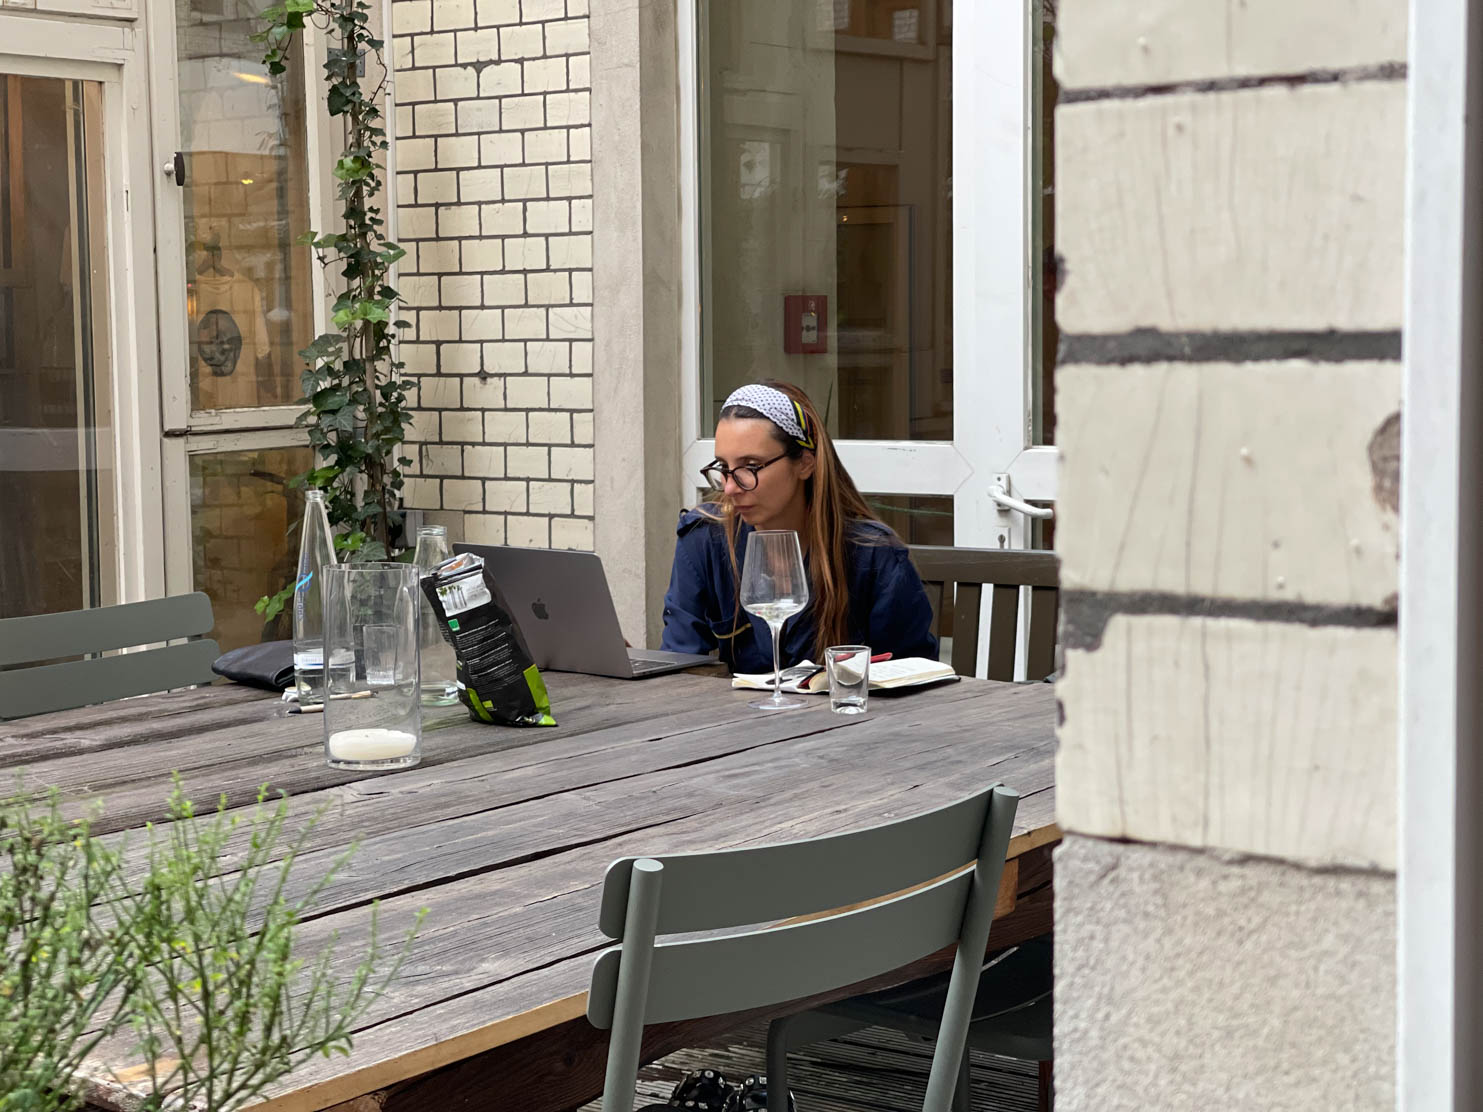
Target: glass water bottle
439 687
316 551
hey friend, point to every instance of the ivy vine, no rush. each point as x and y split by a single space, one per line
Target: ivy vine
354 388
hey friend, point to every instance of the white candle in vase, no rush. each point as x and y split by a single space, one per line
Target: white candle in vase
371 744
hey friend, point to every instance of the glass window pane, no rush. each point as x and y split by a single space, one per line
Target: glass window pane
826 168
916 519
248 290
56 440
245 536
886 20
922 520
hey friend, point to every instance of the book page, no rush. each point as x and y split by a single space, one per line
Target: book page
912 669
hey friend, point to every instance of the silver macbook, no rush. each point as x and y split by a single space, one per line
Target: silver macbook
562 604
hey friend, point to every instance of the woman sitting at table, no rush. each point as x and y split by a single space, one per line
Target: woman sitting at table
776 468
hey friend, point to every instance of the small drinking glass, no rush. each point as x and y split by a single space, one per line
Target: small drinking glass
380 655
774 587
849 678
373 712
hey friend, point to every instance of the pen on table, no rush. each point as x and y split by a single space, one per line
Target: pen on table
317 708
880 658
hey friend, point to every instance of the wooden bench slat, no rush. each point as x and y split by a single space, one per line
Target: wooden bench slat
1040 653
1003 631
965 627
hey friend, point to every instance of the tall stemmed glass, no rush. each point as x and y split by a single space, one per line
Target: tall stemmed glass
774 587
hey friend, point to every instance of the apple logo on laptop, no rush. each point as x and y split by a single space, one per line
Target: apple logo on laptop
538 608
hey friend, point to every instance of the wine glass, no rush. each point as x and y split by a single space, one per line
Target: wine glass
774 587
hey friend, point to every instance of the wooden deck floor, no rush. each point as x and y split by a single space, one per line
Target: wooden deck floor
870 1071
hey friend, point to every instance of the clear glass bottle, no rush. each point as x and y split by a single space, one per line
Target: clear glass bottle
439 687
316 551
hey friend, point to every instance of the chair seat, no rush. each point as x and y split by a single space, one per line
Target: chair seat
1011 1009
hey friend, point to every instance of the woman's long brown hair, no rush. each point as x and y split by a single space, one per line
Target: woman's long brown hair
835 509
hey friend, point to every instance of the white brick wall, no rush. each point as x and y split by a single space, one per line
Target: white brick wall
495 209
1229 216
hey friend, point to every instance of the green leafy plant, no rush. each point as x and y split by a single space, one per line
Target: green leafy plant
61 989
226 1006
354 388
193 963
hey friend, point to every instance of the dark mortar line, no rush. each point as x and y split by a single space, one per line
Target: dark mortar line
1384 71
1086 613
1227 857
1151 345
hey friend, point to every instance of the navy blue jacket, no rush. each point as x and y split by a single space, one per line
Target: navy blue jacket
889 610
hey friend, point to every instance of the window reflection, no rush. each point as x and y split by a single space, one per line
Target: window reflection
248 293
826 139
58 550
244 535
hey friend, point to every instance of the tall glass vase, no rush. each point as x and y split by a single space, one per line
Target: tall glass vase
439 685
373 709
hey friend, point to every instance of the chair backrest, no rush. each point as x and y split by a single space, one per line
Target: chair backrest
78 683
928 857
955 578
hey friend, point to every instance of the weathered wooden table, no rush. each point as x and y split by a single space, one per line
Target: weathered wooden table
504 836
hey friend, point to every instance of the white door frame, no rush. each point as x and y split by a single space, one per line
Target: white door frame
189 432
112 54
993 282
1440 883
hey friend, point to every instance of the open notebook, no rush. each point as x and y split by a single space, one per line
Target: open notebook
809 678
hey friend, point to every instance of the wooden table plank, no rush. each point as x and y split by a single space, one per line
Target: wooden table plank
412 858
237 752
505 834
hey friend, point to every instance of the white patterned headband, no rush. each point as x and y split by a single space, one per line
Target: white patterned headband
777 407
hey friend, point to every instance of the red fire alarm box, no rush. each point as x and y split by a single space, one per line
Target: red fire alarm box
805 323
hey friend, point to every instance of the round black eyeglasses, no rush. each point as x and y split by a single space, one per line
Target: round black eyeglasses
716 473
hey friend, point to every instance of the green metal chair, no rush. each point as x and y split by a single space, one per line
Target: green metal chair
79 683
644 980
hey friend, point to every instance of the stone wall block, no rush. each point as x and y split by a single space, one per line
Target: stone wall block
1159 42
1260 209
1245 480
1183 983
1270 738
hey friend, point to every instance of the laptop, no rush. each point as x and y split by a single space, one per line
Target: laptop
562 604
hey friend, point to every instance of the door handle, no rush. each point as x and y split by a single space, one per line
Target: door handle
175 169
1000 494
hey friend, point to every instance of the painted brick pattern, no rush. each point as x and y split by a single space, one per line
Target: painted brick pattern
1227 418
494 194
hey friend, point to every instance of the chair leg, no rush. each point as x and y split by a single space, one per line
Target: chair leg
963 1093
1046 1087
777 1065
